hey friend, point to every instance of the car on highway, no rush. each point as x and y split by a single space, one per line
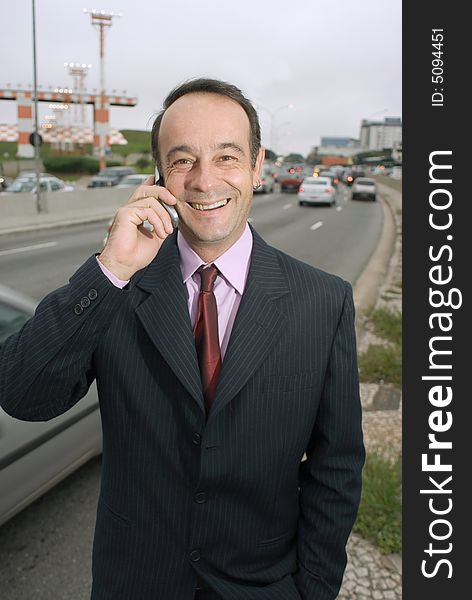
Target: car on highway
134 180
46 184
317 190
290 179
351 176
35 456
31 174
4 182
110 176
334 178
364 188
267 180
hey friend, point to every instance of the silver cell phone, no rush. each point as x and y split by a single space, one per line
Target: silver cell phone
170 209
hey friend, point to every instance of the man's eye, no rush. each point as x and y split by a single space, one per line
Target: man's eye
227 158
183 161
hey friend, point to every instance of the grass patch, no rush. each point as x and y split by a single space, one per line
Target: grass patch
379 517
381 364
9 148
138 142
387 325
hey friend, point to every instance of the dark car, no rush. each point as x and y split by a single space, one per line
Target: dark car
110 176
351 176
290 179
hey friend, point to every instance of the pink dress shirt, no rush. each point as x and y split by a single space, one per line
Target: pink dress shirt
229 285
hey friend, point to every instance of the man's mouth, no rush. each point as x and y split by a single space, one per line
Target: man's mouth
218 204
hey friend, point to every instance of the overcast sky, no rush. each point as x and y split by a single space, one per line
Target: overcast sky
336 62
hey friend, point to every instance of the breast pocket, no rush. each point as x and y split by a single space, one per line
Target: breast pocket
289 383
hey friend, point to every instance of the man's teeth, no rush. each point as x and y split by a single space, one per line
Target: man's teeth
209 206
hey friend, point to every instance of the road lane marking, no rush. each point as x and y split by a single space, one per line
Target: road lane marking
339 208
285 206
27 248
316 225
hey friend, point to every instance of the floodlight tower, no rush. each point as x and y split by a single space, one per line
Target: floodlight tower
79 72
102 19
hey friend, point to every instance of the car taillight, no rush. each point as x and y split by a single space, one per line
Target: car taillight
336 181
328 191
263 181
301 189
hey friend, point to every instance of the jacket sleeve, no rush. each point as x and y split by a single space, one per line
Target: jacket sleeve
330 481
47 366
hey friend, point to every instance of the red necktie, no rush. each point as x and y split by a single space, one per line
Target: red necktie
206 334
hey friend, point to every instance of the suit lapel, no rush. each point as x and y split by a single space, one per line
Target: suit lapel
258 324
165 317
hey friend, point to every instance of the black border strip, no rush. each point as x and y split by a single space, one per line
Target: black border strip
436 249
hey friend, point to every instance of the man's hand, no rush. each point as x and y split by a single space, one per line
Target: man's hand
130 246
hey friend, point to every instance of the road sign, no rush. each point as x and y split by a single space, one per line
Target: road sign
35 139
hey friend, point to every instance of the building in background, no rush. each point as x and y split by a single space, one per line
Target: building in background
334 151
380 135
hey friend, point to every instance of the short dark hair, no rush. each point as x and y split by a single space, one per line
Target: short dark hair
209 86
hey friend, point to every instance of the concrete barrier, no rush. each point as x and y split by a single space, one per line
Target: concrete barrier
18 211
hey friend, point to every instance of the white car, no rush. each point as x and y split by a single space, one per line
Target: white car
364 188
34 456
267 180
134 180
317 190
46 184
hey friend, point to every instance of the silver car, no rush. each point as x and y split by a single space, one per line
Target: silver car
36 456
132 180
364 188
46 184
317 190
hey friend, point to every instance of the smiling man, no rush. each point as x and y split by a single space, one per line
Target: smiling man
227 377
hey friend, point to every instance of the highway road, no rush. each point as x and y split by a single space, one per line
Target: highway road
338 239
45 551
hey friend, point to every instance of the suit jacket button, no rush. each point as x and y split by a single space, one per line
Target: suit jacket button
78 309
85 302
92 294
195 555
197 438
200 498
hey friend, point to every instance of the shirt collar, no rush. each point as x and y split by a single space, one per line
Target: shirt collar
233 264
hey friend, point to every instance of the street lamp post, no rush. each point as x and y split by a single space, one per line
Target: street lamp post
102 19
272 115
276 135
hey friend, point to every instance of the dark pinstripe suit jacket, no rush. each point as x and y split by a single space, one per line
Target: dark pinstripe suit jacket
226 497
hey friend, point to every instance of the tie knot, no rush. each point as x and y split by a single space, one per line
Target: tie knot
208 276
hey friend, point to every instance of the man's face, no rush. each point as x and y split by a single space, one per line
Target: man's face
204 146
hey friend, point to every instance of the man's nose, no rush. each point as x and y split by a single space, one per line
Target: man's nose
202 177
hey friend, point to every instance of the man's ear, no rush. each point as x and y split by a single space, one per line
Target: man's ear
258 166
